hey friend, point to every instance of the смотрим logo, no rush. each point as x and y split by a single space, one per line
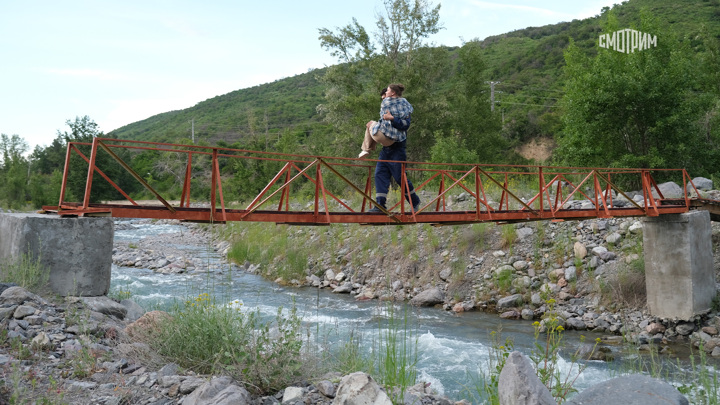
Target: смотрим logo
627 41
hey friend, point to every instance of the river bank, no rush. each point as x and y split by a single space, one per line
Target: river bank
90 358
592 269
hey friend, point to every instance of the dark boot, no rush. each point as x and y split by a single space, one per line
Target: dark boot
381 202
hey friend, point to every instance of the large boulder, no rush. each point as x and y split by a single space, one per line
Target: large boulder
428 298
519 385
18 295
701 183
669 189
147 326
360 389
631 389
510 301
105 306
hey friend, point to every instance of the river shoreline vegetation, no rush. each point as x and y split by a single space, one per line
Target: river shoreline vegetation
208 337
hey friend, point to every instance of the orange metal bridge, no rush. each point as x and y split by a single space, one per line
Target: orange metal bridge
343 190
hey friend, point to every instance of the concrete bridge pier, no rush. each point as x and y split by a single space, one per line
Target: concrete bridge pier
679 273
77 251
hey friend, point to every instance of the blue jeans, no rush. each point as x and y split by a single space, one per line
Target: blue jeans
384 170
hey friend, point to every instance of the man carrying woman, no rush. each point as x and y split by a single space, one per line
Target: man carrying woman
391 133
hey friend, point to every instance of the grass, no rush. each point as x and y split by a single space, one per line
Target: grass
504 279
699 380
258 243
549 341
26 271
508 236
627 286
209 338
397 356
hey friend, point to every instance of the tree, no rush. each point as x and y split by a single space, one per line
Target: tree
352 87
470 115
634 110
84 130
13 171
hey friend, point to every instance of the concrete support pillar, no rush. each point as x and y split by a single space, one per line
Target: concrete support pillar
679 272
77 251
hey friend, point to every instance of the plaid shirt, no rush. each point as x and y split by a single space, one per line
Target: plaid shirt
400 109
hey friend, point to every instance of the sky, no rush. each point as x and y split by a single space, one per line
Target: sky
119 62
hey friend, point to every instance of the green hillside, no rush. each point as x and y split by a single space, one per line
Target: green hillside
553 86
527 63
285 103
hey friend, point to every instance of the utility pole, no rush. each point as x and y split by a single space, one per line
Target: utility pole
492 95
193 131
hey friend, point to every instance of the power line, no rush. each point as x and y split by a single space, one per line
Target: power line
531 87
540 105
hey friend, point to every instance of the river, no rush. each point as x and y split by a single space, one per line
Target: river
452 349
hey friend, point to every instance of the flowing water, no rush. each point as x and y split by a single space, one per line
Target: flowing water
452 349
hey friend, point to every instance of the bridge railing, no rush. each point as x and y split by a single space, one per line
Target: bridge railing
342 188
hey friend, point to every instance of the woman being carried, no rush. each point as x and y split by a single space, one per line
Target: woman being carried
391 133
394 121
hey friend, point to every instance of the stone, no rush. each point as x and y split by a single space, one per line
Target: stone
520 265
685 328
459 307
519 385
165 381
428 298
329 275
359 389
41 341
105 305
668 189
147 324
168 370
527 314
133 310
313 280
397 285
326 388
636 227
510 301
579 250
716 352
292 394
7 312
613 238
345 288
218 391
576 323
504 269
655 328
593 352
710 330
18 295
523 232
701 183
445 274
571 273
631 389
512 314
340 276
22 311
